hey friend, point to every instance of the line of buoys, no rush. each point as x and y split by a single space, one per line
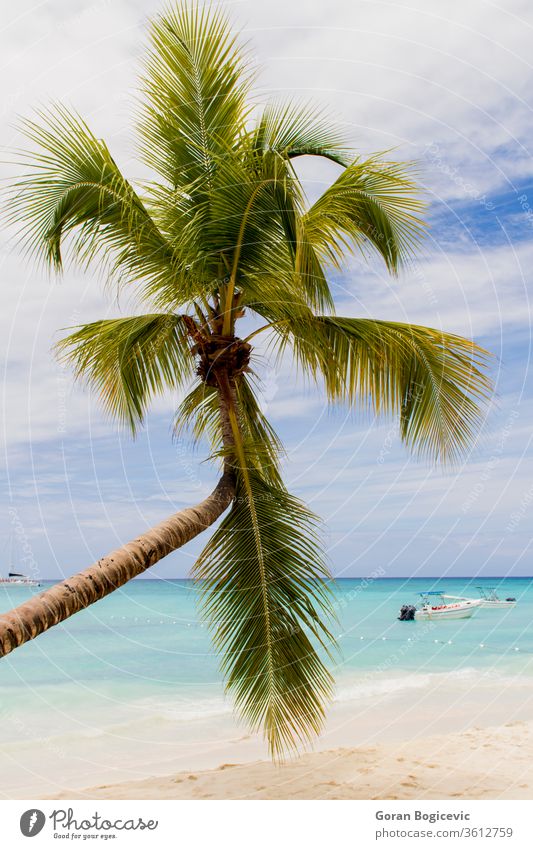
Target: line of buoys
139 619
441 642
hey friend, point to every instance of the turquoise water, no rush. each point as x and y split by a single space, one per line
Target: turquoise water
137 669
146 639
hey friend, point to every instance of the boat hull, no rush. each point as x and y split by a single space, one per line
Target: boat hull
12 583
498 603
448 611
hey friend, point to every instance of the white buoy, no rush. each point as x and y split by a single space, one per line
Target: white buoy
482 645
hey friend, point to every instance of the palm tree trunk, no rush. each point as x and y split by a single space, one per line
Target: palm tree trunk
41 612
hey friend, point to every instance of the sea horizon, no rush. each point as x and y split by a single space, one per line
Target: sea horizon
343 578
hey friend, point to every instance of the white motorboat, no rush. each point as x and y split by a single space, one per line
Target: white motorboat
490 598
16 579
436 605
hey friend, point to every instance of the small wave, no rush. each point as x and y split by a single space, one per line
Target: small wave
175 710
359 688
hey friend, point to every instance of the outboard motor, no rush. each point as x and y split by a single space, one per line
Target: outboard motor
407 613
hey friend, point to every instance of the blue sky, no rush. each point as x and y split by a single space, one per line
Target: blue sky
446 85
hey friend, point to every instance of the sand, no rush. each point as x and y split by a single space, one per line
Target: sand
479 763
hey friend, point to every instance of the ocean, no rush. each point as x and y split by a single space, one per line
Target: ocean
132 684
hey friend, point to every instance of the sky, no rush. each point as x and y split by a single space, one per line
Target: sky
446 85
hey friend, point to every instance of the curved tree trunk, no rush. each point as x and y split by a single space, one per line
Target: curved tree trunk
41 612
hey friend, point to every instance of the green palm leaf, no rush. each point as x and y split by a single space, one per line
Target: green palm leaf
199 414
264 588
436 382
299 130
195 85
130 360
75 189
371 204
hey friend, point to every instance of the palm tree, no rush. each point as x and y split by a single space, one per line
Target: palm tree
224 231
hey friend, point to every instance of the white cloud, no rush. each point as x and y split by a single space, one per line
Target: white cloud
475 293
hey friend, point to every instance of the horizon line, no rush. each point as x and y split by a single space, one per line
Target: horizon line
347 578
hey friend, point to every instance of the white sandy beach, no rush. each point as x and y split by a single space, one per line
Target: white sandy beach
461 738
493 763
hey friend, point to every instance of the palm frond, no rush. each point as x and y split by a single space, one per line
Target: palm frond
244 228
130 360
373 204
436 382
262 445
75 192
195 83
264 590
275 226
199 415
294 130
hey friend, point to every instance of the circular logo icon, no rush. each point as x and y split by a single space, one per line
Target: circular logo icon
32 822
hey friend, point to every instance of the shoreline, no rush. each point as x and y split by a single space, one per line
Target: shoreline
479 763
